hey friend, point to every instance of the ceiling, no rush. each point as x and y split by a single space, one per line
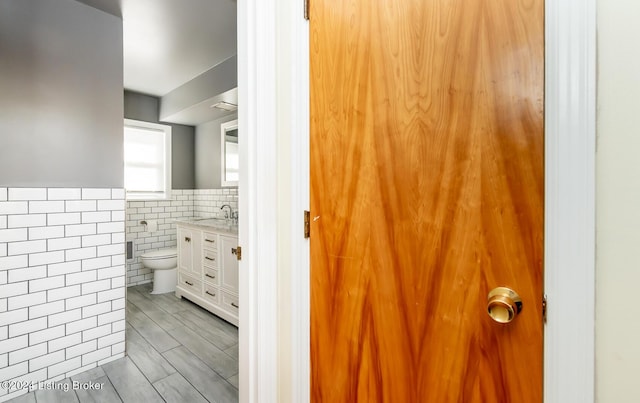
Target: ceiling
168 43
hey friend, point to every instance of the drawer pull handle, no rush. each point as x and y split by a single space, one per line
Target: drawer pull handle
188 283
210 258
210 276
213 295
187 239
209 240
234 304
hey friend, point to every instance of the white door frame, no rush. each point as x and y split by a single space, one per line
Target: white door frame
570 124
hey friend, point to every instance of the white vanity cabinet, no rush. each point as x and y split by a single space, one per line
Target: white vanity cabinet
189 259
208 269
229 274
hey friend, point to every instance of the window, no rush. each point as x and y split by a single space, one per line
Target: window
147 160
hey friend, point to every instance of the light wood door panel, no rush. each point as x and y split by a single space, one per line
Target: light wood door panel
426 192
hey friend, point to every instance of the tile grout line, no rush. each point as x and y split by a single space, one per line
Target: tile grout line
155 323
183 377
165 358
206 364
226 379
112 385
145 376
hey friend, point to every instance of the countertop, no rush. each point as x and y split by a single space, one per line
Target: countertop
219 225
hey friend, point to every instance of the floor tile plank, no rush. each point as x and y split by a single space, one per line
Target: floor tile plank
26 398
211 385
170 303
154 334
89 375
161 317
176 389
212 332
130 383
234 380
215 358
152 364
199 314
61 393
107 393
233 351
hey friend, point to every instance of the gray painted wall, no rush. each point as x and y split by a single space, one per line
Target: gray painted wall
207 147
183 156
61 102
141 106
146 108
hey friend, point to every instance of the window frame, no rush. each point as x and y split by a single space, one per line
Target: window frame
165 194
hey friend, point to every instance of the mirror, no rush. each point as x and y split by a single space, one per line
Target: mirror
230 161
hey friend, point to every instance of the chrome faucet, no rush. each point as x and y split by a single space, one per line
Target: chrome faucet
230 213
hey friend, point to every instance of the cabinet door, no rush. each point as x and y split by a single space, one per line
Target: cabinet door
229 263
196 245
185 249
189 251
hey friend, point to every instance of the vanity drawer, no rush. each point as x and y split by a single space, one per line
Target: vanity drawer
210 258
190 284
211 276
212 294
230 302
210 240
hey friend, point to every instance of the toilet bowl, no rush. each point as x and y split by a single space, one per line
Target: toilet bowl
164 264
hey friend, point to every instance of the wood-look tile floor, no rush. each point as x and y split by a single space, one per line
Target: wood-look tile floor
176 352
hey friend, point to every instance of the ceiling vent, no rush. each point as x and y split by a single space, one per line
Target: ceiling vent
225 106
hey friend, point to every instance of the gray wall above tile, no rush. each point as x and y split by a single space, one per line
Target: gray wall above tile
61 102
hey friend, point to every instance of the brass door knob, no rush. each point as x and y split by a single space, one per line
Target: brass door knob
503 304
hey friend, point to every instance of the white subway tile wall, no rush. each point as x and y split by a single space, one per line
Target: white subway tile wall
183 204
207 202
62 282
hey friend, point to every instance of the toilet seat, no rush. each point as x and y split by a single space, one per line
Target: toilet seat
160 254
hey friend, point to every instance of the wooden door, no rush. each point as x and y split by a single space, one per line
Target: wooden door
426 193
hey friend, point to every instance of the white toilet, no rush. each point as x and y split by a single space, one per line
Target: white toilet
164 264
